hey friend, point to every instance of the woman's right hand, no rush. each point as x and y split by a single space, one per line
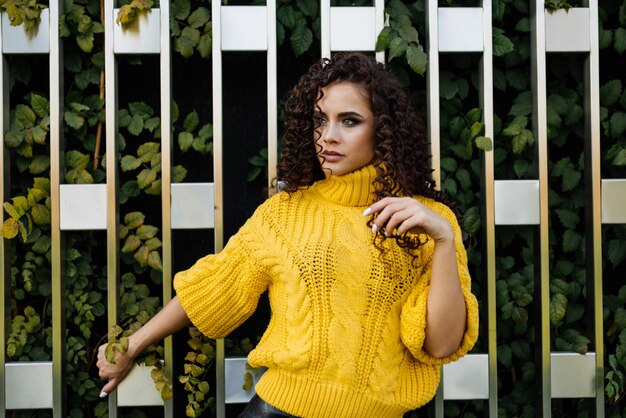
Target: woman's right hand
114 373
169 320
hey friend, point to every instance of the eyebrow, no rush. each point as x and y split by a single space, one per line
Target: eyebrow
348 114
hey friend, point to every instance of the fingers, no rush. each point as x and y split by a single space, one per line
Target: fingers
109 387
395 215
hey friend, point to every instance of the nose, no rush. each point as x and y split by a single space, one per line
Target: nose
330 133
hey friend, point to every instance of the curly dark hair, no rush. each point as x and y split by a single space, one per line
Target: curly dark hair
401 151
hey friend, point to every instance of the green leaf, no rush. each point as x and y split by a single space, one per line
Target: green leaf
417 59
505 355
185 139
515 126
129 163
40 105
308 7
191 122
301 39
85 41
619 40
617 124
39 135
147 151
484 143
568 218
141 109
397 48
152 124
131 244
205 45
522 105
13 138
616 251
287 16
74 120
43 244
199 17
192 34
180 9
134 219
76 159
146 177
502 45
136 125
558 308
384 38
10 228
571 179
25 116
145 232
517 78
610 92
154 261
141 256
520 141
178 174
184 46
39 164
40 214
571 241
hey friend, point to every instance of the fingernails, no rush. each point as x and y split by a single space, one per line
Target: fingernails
385 233
367 212
374 228
103 394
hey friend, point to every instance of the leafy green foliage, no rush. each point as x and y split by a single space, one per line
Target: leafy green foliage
401 36
140 241
191 29
299 21
129 13
23 12
197 363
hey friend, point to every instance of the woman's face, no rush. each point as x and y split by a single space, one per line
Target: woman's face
345 126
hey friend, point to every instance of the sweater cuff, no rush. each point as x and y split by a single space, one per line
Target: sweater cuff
413 328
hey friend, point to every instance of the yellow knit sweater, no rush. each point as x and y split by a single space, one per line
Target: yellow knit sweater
346 333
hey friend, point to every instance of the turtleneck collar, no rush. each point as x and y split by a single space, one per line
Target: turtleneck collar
351 189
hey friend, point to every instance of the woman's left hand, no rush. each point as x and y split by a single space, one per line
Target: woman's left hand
397 215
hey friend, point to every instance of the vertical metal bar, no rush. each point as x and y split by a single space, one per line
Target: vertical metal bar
272 94
325 27
56 168
380 25
166 182
5 271
220 384
542 267
110 71
432 87
593 208
432 95
488 177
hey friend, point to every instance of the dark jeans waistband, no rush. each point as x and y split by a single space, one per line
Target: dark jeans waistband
258 408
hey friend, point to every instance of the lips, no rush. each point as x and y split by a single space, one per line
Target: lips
331 156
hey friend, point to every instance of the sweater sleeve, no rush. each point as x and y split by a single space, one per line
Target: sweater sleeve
220 291
413 317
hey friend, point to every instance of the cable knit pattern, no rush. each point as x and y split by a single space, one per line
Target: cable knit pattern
346 334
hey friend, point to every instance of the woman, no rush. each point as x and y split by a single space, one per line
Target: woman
366 271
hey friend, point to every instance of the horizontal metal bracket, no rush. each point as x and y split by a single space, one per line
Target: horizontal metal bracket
28 385
573 375
15 40
461 29
516 202
568 31
143 36
244 28
614 201
353 28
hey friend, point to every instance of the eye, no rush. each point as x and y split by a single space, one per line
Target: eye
350 122
319 121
